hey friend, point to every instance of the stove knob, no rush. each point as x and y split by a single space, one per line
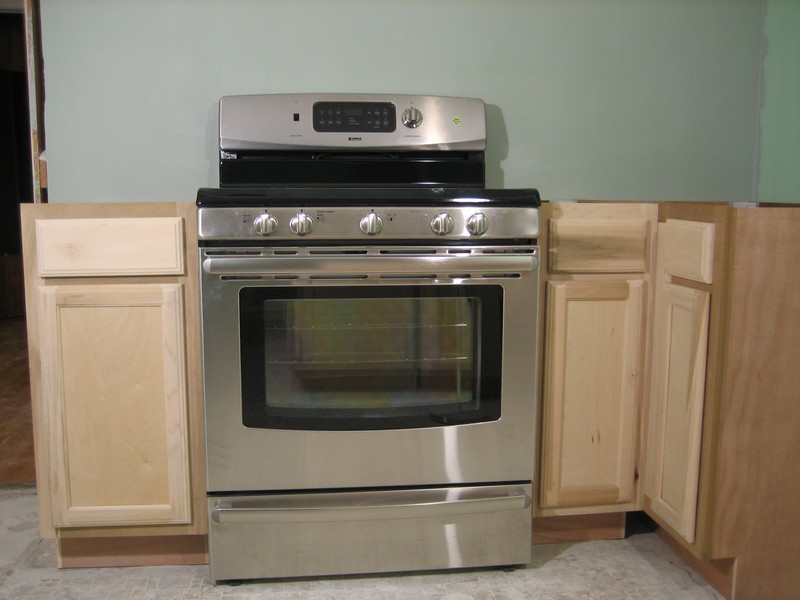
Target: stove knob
477 224
301 224
372 224
442 224
265 224
412 117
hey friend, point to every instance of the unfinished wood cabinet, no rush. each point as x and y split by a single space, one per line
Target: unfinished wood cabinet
596 303
113 327
722 441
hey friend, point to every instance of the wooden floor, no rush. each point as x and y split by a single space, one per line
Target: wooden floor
16 428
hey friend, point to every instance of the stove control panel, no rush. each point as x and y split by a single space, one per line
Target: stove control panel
350 122
349 223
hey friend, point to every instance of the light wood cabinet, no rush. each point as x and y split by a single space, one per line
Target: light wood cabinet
717 383
721 477
113 323
596 304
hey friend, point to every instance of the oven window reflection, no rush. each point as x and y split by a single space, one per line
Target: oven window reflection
326 359
371 354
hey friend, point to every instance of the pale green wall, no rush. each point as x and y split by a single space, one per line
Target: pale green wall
779 172
602 99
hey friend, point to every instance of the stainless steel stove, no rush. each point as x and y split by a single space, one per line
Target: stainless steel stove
369 332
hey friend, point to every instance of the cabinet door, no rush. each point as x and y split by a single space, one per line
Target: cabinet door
115 390
591 384
679 362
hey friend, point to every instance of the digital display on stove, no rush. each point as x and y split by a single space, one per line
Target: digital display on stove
354 117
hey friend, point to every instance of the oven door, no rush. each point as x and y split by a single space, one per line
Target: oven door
343 368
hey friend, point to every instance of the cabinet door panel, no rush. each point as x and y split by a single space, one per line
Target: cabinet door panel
113 371
679 362
591 385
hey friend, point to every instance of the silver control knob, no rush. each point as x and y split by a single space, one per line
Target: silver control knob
412 117
301 224
477 224
371 224
265 224
442 224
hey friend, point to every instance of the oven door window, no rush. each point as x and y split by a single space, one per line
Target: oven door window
349 358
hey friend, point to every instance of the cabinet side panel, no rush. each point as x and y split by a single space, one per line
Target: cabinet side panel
757 478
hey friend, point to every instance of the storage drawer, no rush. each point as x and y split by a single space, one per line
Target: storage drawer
110 247
375 531
598 246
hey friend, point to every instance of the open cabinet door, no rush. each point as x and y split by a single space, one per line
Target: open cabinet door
680 352
680 343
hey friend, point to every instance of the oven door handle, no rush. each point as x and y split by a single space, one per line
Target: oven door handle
433 263
374 507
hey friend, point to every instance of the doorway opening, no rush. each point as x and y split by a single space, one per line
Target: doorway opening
16 181
16 187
